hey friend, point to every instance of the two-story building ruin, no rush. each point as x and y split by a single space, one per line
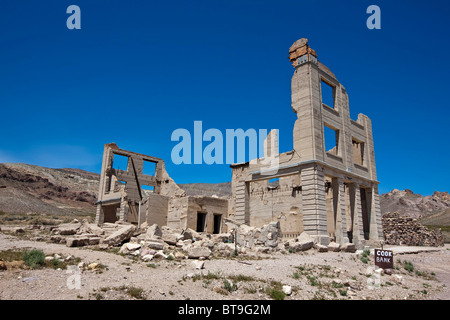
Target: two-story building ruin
330 192
141 191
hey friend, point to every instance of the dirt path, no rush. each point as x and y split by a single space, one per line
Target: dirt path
178 279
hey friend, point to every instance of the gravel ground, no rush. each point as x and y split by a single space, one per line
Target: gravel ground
311 275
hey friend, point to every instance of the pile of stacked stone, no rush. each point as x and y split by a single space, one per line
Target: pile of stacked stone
402 230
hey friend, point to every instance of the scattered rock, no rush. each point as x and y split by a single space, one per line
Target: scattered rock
190 234
132 246
18 230
160 254
170 238
198 264
351 293
287 290
302 243
103 246
348 247
197 252
179 255
93 266
398 279
154 232
320 247
147 257
155 244
389 271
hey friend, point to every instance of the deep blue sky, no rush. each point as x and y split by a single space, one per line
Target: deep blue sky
137 70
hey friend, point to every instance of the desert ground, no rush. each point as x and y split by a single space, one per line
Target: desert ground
418 274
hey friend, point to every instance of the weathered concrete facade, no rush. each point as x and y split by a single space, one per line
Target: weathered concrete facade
137 196
331 194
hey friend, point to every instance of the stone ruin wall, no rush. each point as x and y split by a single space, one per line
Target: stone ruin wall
401 230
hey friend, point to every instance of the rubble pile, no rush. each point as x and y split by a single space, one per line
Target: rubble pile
265 236
402 230
151 242
305 242
78 234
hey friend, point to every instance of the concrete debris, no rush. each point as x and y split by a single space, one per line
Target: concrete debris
348 247
302 243
67 228
147 257
152 241
198 252
320 247
154 232
155 244
266 236
333 246
120 235
406 231
198 264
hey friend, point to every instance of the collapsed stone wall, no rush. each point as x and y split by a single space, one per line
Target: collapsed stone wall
401 230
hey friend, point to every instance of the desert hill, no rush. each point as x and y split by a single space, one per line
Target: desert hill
28 188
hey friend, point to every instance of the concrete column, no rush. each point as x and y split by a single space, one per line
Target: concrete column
123 216
314 204
100 215
341 223
376 228
242 209
358 234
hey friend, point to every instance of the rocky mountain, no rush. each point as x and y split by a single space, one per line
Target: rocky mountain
406 202
32 189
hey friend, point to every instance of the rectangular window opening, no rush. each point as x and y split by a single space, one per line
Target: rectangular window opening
217 223
328 94
331 137
120 162
149 168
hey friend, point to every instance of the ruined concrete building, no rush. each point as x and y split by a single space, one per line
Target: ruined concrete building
330 192
142 191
